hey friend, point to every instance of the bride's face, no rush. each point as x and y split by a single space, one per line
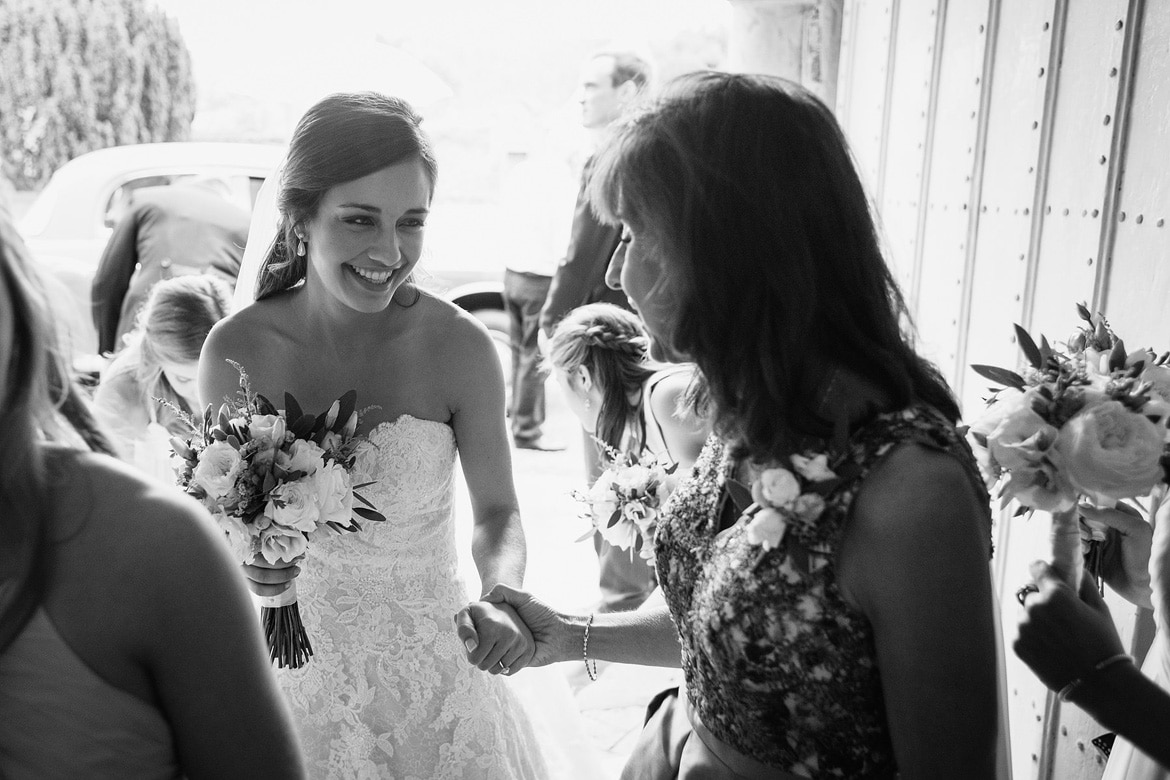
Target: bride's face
367 235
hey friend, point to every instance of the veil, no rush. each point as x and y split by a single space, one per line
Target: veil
261 233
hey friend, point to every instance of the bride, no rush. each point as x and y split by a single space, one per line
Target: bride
388 692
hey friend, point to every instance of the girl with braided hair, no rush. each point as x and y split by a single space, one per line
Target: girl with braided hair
600 355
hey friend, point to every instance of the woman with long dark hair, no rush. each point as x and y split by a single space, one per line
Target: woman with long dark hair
128 646
826 565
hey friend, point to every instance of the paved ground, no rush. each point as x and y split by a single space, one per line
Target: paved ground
563 572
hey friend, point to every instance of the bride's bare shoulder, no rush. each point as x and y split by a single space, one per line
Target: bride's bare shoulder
250 328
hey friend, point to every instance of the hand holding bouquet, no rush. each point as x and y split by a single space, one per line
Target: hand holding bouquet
271 477
1089 423
624 502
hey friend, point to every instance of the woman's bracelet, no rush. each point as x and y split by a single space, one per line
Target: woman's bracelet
1112 660
592 672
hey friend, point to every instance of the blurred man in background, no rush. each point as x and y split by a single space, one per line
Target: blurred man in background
190 227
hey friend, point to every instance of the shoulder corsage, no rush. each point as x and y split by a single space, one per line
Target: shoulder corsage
782 498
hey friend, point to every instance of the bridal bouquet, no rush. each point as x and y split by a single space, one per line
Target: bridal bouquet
271 477
1087 423
624 502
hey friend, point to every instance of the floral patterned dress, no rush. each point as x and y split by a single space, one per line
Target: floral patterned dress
777 664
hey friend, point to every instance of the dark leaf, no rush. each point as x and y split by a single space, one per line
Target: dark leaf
1117 356
292 410
1002 375
264 406
1083 312
1029 348
980 439
673 467
363 499
347 402
1021 510
1045 351
614 518
741 494
303 427
638 543
369 514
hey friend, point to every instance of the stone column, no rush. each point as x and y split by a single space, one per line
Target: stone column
797 39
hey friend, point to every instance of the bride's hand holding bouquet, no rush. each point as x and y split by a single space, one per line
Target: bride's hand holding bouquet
1088 424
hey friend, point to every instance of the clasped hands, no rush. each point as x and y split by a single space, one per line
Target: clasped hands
507 630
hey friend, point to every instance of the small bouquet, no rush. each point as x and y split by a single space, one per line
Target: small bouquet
271 477
624 502
1088 423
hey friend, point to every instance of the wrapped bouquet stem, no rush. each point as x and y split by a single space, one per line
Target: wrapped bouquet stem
288 643
1067 552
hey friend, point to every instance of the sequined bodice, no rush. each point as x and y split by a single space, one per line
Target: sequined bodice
777 664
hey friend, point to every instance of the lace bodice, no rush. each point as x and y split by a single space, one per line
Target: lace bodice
388 692
777 664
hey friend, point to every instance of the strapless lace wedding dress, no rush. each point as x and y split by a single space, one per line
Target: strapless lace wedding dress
388 691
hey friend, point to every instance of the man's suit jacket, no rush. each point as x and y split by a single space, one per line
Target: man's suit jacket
580 278
170 231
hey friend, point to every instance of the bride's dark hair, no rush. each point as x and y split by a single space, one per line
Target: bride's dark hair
342 138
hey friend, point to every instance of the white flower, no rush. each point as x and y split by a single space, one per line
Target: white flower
239 538
1041 486
632 479
814 469
294 505
775 487
219 467
767 528
334 494
1020 439
809 507
623 534
1110 452
282 545
1007 401
267 428
302 455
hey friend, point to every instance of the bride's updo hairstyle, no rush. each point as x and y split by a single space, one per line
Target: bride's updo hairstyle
342 138
744 189
613 344
39 403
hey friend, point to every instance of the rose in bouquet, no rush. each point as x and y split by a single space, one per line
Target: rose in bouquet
271 477
1086 423
624 503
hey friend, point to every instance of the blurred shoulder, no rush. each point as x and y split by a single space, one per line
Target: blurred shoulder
124 509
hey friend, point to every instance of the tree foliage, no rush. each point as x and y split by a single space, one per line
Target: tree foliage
79 75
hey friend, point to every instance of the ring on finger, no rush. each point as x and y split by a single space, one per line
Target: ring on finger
503 669
1022 593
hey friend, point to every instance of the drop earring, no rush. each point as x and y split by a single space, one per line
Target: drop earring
300 247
